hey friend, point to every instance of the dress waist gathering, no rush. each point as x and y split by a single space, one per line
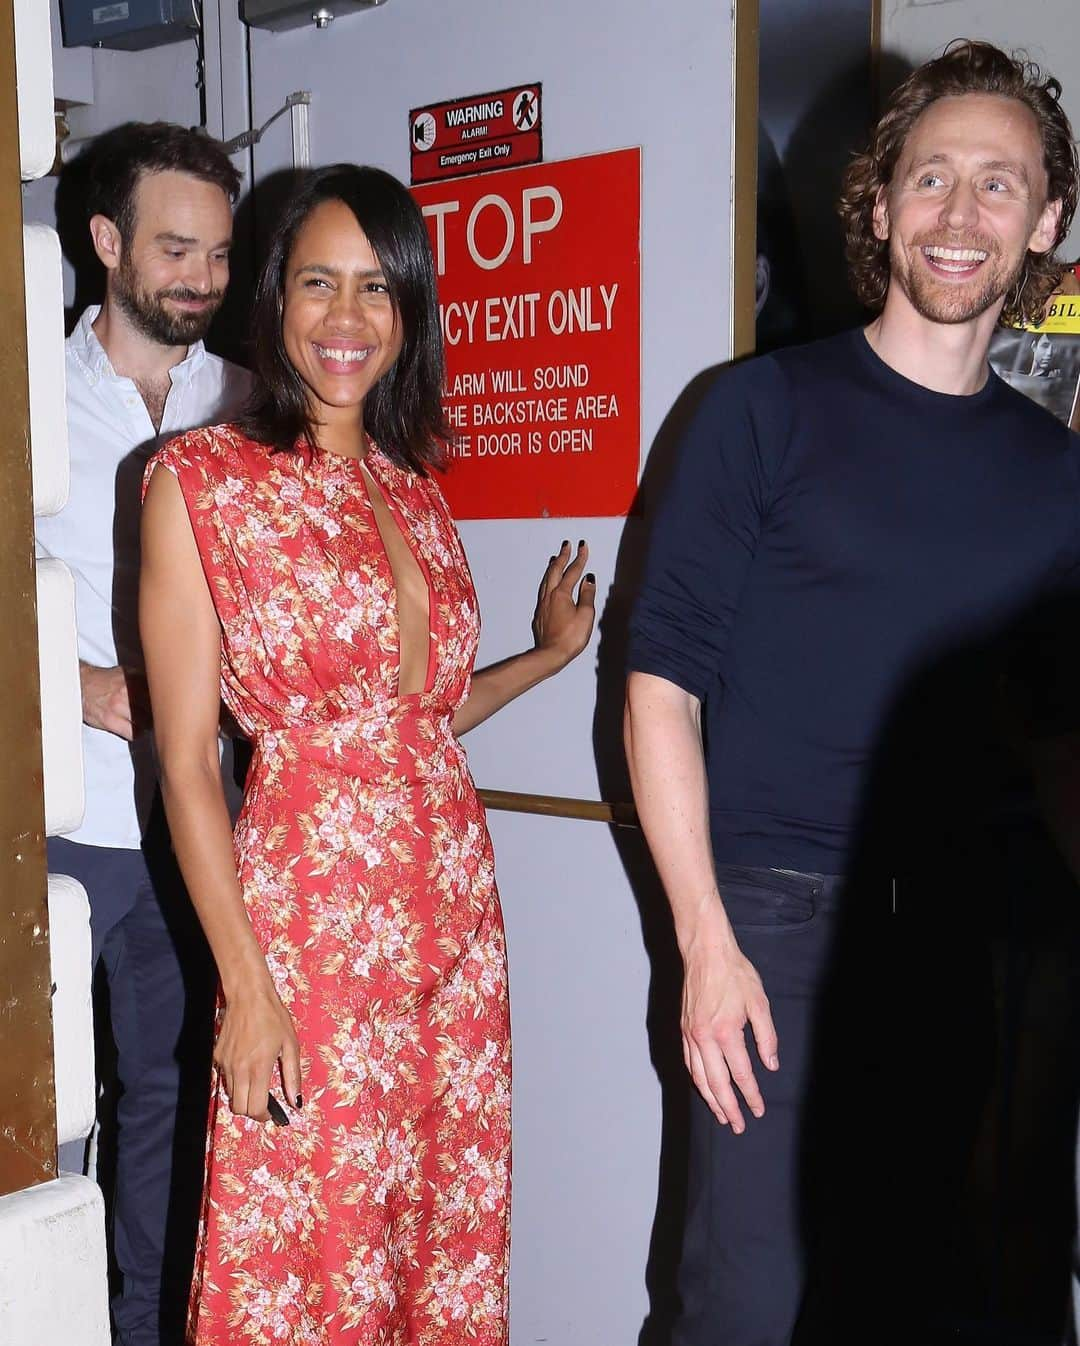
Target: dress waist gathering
408 739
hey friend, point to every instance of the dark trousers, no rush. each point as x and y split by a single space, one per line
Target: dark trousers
829 1220
153 1004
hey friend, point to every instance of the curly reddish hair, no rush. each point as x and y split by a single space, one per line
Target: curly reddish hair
964 67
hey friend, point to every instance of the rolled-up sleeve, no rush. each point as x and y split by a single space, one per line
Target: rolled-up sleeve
706 530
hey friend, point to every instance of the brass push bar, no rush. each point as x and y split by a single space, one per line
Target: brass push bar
559 806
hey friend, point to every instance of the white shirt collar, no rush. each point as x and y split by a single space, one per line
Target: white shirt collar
88 350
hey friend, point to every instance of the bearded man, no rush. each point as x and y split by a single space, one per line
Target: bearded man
854 534
159 211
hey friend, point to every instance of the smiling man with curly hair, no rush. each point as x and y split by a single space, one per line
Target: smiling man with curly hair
853 530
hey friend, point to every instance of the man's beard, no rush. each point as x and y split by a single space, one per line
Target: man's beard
147 311
945 302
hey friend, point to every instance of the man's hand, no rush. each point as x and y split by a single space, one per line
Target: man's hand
722 993
562 624
113 699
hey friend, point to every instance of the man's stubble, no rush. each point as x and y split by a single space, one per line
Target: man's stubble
941 302
147 311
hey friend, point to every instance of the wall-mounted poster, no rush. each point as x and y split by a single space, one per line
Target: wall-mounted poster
1043 362
539 282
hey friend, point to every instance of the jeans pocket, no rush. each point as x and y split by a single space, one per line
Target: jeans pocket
768 899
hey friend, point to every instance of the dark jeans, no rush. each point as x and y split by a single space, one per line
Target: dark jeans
828 1220
153 1004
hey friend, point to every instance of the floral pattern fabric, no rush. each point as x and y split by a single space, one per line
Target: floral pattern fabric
380 1215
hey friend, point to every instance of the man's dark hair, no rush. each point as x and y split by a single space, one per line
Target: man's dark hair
964 68
117 160
403 412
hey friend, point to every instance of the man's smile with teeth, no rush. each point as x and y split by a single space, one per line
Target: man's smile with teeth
345 356
956 257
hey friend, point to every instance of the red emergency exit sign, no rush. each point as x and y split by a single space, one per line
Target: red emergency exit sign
476 134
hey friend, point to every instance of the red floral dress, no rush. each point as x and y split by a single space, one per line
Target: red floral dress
380 1216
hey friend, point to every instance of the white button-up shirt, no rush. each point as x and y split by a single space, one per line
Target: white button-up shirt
110 438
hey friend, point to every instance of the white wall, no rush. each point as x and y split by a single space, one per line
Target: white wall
73 67
152 85
615 73
1048 30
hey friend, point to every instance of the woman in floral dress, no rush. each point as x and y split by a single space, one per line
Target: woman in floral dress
305 561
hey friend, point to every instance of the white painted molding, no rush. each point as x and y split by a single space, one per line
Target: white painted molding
61 700
34 78
73 1025
52 1251
45 355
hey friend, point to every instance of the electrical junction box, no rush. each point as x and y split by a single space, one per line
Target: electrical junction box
279 14
131 25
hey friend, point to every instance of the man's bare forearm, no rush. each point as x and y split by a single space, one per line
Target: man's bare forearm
722 992
667 772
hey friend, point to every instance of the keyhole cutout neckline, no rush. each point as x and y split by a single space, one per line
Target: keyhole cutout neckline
412 587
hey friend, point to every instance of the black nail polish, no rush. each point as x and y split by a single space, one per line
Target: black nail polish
581 542
299 1100
277 1113
590 578
566 542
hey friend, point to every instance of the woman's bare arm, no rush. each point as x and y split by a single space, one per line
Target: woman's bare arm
182 647
562 625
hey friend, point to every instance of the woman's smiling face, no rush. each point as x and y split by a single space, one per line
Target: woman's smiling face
339 325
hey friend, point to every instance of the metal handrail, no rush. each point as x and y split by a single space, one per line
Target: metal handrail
560 806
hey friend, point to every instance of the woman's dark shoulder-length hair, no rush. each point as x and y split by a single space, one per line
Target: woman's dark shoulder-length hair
964 68
403 412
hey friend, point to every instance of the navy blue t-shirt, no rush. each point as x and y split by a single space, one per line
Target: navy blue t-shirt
836 568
